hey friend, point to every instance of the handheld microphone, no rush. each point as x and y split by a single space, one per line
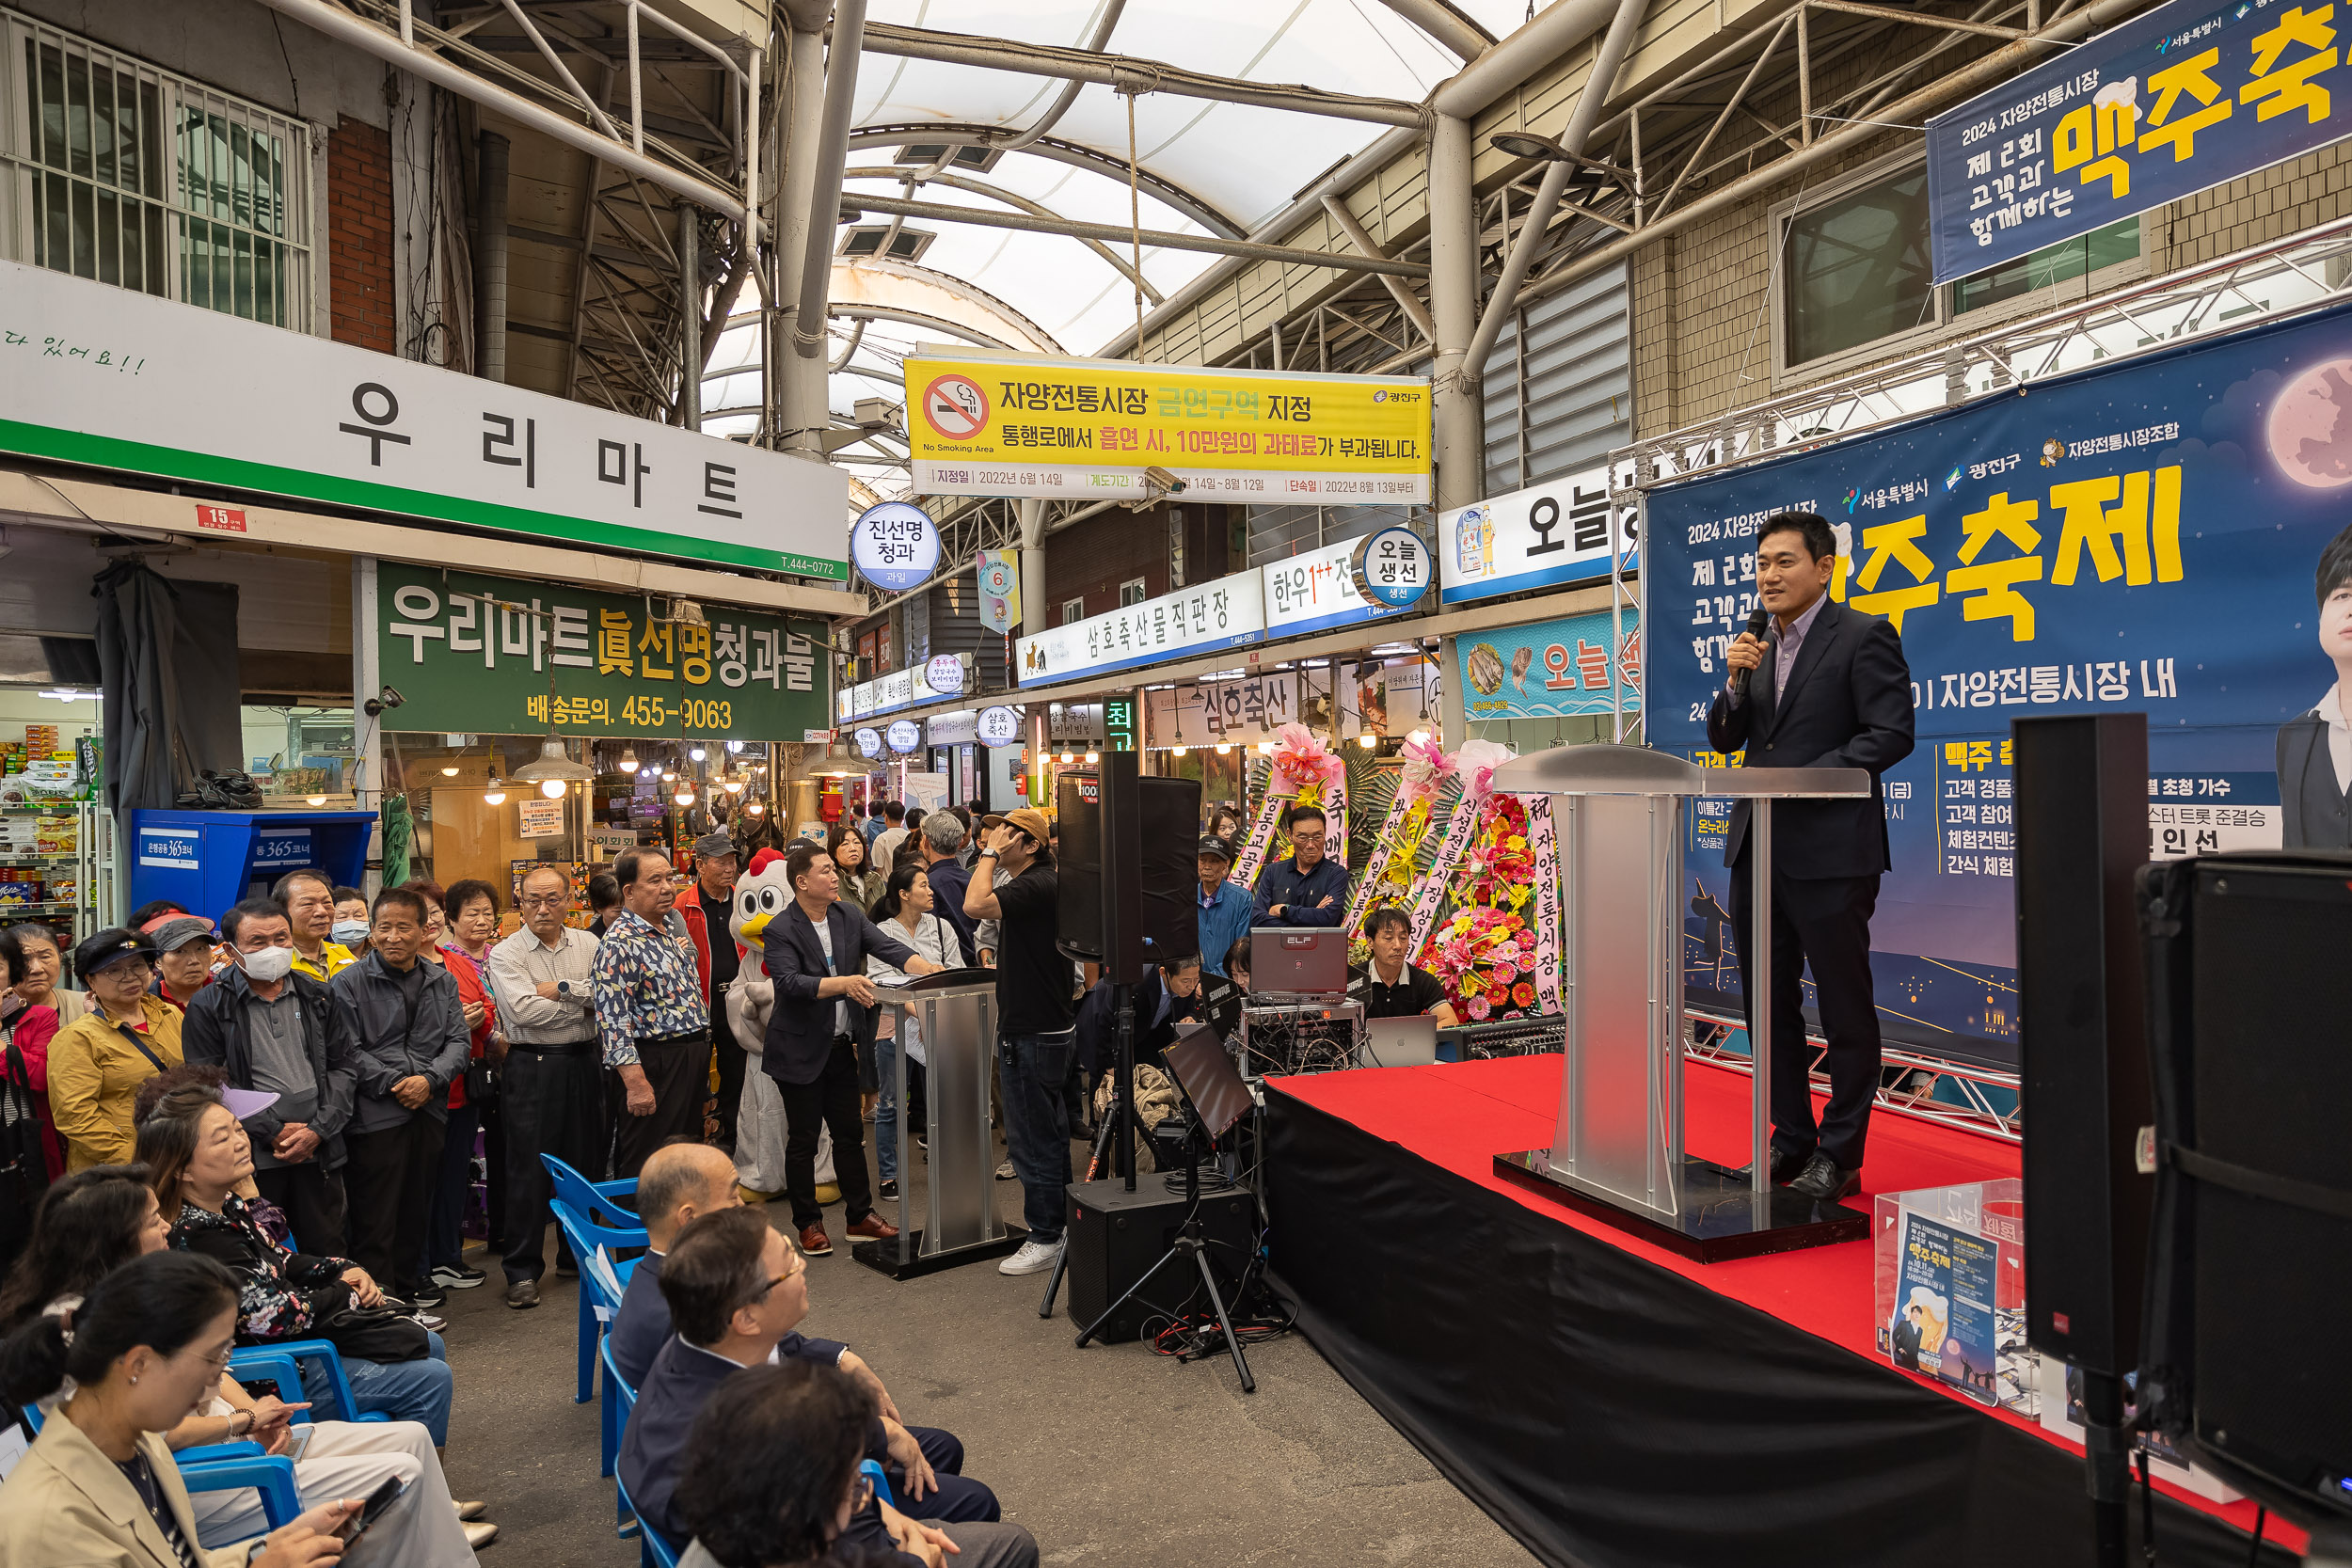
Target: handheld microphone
1757 618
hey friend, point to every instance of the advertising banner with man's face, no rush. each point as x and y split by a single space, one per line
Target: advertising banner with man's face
2155 538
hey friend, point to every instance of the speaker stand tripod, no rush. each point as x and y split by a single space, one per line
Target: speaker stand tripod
1113 1134
1191 1243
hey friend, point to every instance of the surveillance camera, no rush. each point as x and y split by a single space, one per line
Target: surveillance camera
392 697
1161 480
388 698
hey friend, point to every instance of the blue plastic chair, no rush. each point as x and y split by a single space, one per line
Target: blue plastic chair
267 1362
881 1482
272 1476
578 1205
652 1550
619 1399
270 1361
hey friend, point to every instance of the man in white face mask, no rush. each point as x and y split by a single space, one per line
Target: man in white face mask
272 1029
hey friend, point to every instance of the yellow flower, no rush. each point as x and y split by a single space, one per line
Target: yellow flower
1517 842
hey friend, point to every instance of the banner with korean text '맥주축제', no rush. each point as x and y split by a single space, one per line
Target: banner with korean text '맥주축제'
2144 537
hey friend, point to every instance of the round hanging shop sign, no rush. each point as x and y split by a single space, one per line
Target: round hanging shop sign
896 545
1000 726
945 675
869 744
905 736
999 577
1391 568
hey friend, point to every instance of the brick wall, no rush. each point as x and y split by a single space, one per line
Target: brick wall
1093 558
359 236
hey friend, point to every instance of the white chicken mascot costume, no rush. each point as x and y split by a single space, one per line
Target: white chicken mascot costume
762 894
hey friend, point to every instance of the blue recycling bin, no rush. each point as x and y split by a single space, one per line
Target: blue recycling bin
209 859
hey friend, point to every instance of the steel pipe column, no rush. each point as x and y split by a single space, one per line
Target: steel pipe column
1453 304
799 380
489 266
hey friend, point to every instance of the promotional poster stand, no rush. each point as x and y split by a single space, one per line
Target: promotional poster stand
1617 1147
958 1008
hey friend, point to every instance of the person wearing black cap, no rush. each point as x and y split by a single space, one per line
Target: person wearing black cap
1224 905
98 1062
716 866
184 958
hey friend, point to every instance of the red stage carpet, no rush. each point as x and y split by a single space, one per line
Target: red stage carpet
1458 1117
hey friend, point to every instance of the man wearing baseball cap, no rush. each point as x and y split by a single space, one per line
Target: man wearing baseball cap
1224 905
1038 1056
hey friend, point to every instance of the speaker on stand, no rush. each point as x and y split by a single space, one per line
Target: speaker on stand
2081 807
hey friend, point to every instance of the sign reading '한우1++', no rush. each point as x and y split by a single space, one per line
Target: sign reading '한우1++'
2171 102
475 655
984 424
110 377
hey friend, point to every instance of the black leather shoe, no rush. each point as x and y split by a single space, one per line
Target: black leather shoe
1824 1180
1785 1169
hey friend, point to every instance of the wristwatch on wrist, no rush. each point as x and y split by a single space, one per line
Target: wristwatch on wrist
562 987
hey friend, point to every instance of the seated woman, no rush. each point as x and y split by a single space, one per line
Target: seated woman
97 1484
197 1153
94 1222
771 1477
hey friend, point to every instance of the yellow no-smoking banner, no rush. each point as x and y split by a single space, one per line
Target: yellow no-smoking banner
982 423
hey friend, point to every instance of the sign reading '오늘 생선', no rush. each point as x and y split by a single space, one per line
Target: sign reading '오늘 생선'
496 656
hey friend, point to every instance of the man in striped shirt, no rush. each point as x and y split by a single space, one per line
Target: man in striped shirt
650 1011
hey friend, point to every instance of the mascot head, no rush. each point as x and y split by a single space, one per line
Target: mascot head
760 895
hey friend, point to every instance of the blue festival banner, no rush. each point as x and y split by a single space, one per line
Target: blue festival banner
2170 104
2142 538
1551 669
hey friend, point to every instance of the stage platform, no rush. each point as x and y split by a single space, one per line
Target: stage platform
1613 1405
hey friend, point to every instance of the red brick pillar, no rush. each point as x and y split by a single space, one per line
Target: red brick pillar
359 236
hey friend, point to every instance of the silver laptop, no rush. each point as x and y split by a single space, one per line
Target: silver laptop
1401 1041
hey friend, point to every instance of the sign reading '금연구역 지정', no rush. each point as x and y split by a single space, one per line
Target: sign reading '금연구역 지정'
497 656
983 425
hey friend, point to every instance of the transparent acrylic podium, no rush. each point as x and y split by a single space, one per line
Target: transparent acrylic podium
957 1011
1621 814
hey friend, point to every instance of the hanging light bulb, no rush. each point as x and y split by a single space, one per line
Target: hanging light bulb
628 759
448 772
314 800
1267 747
1225 748
734 787
1094 756
551 789
496 793
1367 740
696 754
735 745
1178 751
1067 756
669 775
755 806
684 796
1419 737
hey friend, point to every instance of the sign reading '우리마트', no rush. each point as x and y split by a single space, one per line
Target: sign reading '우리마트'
474 654
983 424
2170 104
115 378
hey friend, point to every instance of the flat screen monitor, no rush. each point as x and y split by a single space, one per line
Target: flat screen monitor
1299 961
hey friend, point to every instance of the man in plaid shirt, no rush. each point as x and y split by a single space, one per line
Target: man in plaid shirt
650 1013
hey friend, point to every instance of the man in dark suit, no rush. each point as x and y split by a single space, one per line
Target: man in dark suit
1169 993
816 949
1827 687
679 1184
2315 748
737 1291
1907 1338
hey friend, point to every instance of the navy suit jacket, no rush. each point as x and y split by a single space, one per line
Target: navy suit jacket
1847 705
1298 893
1098 1032
801 1027
641 1327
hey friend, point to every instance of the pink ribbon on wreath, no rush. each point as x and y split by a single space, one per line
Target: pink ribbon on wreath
1300 758
1425 770
1477 761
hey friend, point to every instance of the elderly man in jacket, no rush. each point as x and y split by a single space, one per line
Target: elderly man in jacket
816 949
276 1031
412 1041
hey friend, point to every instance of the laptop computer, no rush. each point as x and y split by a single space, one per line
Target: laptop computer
1401 1041
1290 960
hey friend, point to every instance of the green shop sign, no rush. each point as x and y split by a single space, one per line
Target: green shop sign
497 656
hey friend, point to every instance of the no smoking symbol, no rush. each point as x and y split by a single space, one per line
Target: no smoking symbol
955 408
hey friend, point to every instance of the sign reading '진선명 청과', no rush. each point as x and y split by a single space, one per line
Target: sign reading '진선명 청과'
115 378
2171 102
475 654
981 425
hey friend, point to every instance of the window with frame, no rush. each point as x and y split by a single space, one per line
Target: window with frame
1134 590
114 170
1856 276
1073 609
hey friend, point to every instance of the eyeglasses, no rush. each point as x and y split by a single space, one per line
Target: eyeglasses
545 901
220 1363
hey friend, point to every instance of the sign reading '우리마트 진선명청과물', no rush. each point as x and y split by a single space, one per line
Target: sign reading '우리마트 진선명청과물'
2171 102
496 656
110 377
986 425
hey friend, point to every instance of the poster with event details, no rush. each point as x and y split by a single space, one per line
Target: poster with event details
498 656
1009 424
2139 538
2174 102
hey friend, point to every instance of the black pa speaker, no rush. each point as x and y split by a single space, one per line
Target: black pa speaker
2250 1259
1115 1235
2081 807
1126 867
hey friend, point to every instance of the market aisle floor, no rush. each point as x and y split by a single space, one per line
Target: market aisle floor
1111 1455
